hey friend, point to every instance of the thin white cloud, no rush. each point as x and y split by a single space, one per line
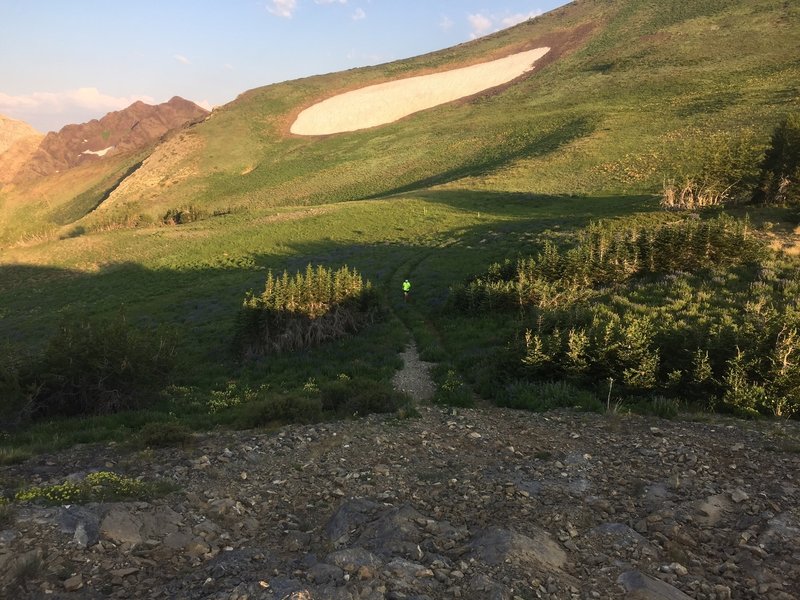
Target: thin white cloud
446 24
482 24
331 1
50 110
88 97
205 104
359 15
282 8
518 18
182 59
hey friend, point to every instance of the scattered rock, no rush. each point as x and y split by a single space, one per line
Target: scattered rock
378 509
641 587
495 546
74 583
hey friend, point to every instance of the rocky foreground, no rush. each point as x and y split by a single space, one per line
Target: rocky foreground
485 504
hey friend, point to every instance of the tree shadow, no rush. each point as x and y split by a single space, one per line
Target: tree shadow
202 303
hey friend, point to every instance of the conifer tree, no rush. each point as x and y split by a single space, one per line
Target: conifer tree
779 180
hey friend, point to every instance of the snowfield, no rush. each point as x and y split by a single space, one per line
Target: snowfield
387 102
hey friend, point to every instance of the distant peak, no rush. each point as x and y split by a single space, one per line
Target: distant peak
8 122
178 101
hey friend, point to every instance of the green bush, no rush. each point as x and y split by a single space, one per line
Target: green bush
160 435
452 391
233 395
608 254
183 215
779 180
360 396
696 310
543 396
89 368
283 408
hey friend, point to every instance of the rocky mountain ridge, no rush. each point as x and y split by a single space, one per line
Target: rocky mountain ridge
118 132
483 504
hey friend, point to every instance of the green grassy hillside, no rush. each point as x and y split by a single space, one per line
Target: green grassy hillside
635 92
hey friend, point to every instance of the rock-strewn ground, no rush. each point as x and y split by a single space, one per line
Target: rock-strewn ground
485 504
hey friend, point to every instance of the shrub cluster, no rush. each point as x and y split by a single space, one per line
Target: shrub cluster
304 310
697 311
547 395
183 215
87 368
344 397
608 253
161 435
693 195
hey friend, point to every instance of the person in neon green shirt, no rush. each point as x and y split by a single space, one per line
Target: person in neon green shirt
406 289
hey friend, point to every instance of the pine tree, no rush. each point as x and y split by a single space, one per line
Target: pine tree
779 181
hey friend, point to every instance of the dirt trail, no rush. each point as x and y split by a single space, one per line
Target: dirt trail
415 377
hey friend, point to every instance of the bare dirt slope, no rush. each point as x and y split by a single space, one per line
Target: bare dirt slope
12 130
486 504
18 142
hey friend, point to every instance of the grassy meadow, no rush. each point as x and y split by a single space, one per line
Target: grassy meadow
635 95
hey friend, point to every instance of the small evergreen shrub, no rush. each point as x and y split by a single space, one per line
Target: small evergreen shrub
608 254
306 310
779 180
452 391
161 435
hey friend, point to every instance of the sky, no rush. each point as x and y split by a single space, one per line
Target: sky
70 61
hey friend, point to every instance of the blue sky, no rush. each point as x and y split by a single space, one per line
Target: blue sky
71 61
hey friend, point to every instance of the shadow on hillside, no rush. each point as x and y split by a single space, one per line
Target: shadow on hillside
525 145
203 302
564 209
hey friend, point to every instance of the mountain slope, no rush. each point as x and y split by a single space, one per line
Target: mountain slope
12 131
631 93
51 182
116 133
18 142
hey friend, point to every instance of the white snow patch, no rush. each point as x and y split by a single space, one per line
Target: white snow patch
102 152
387 102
